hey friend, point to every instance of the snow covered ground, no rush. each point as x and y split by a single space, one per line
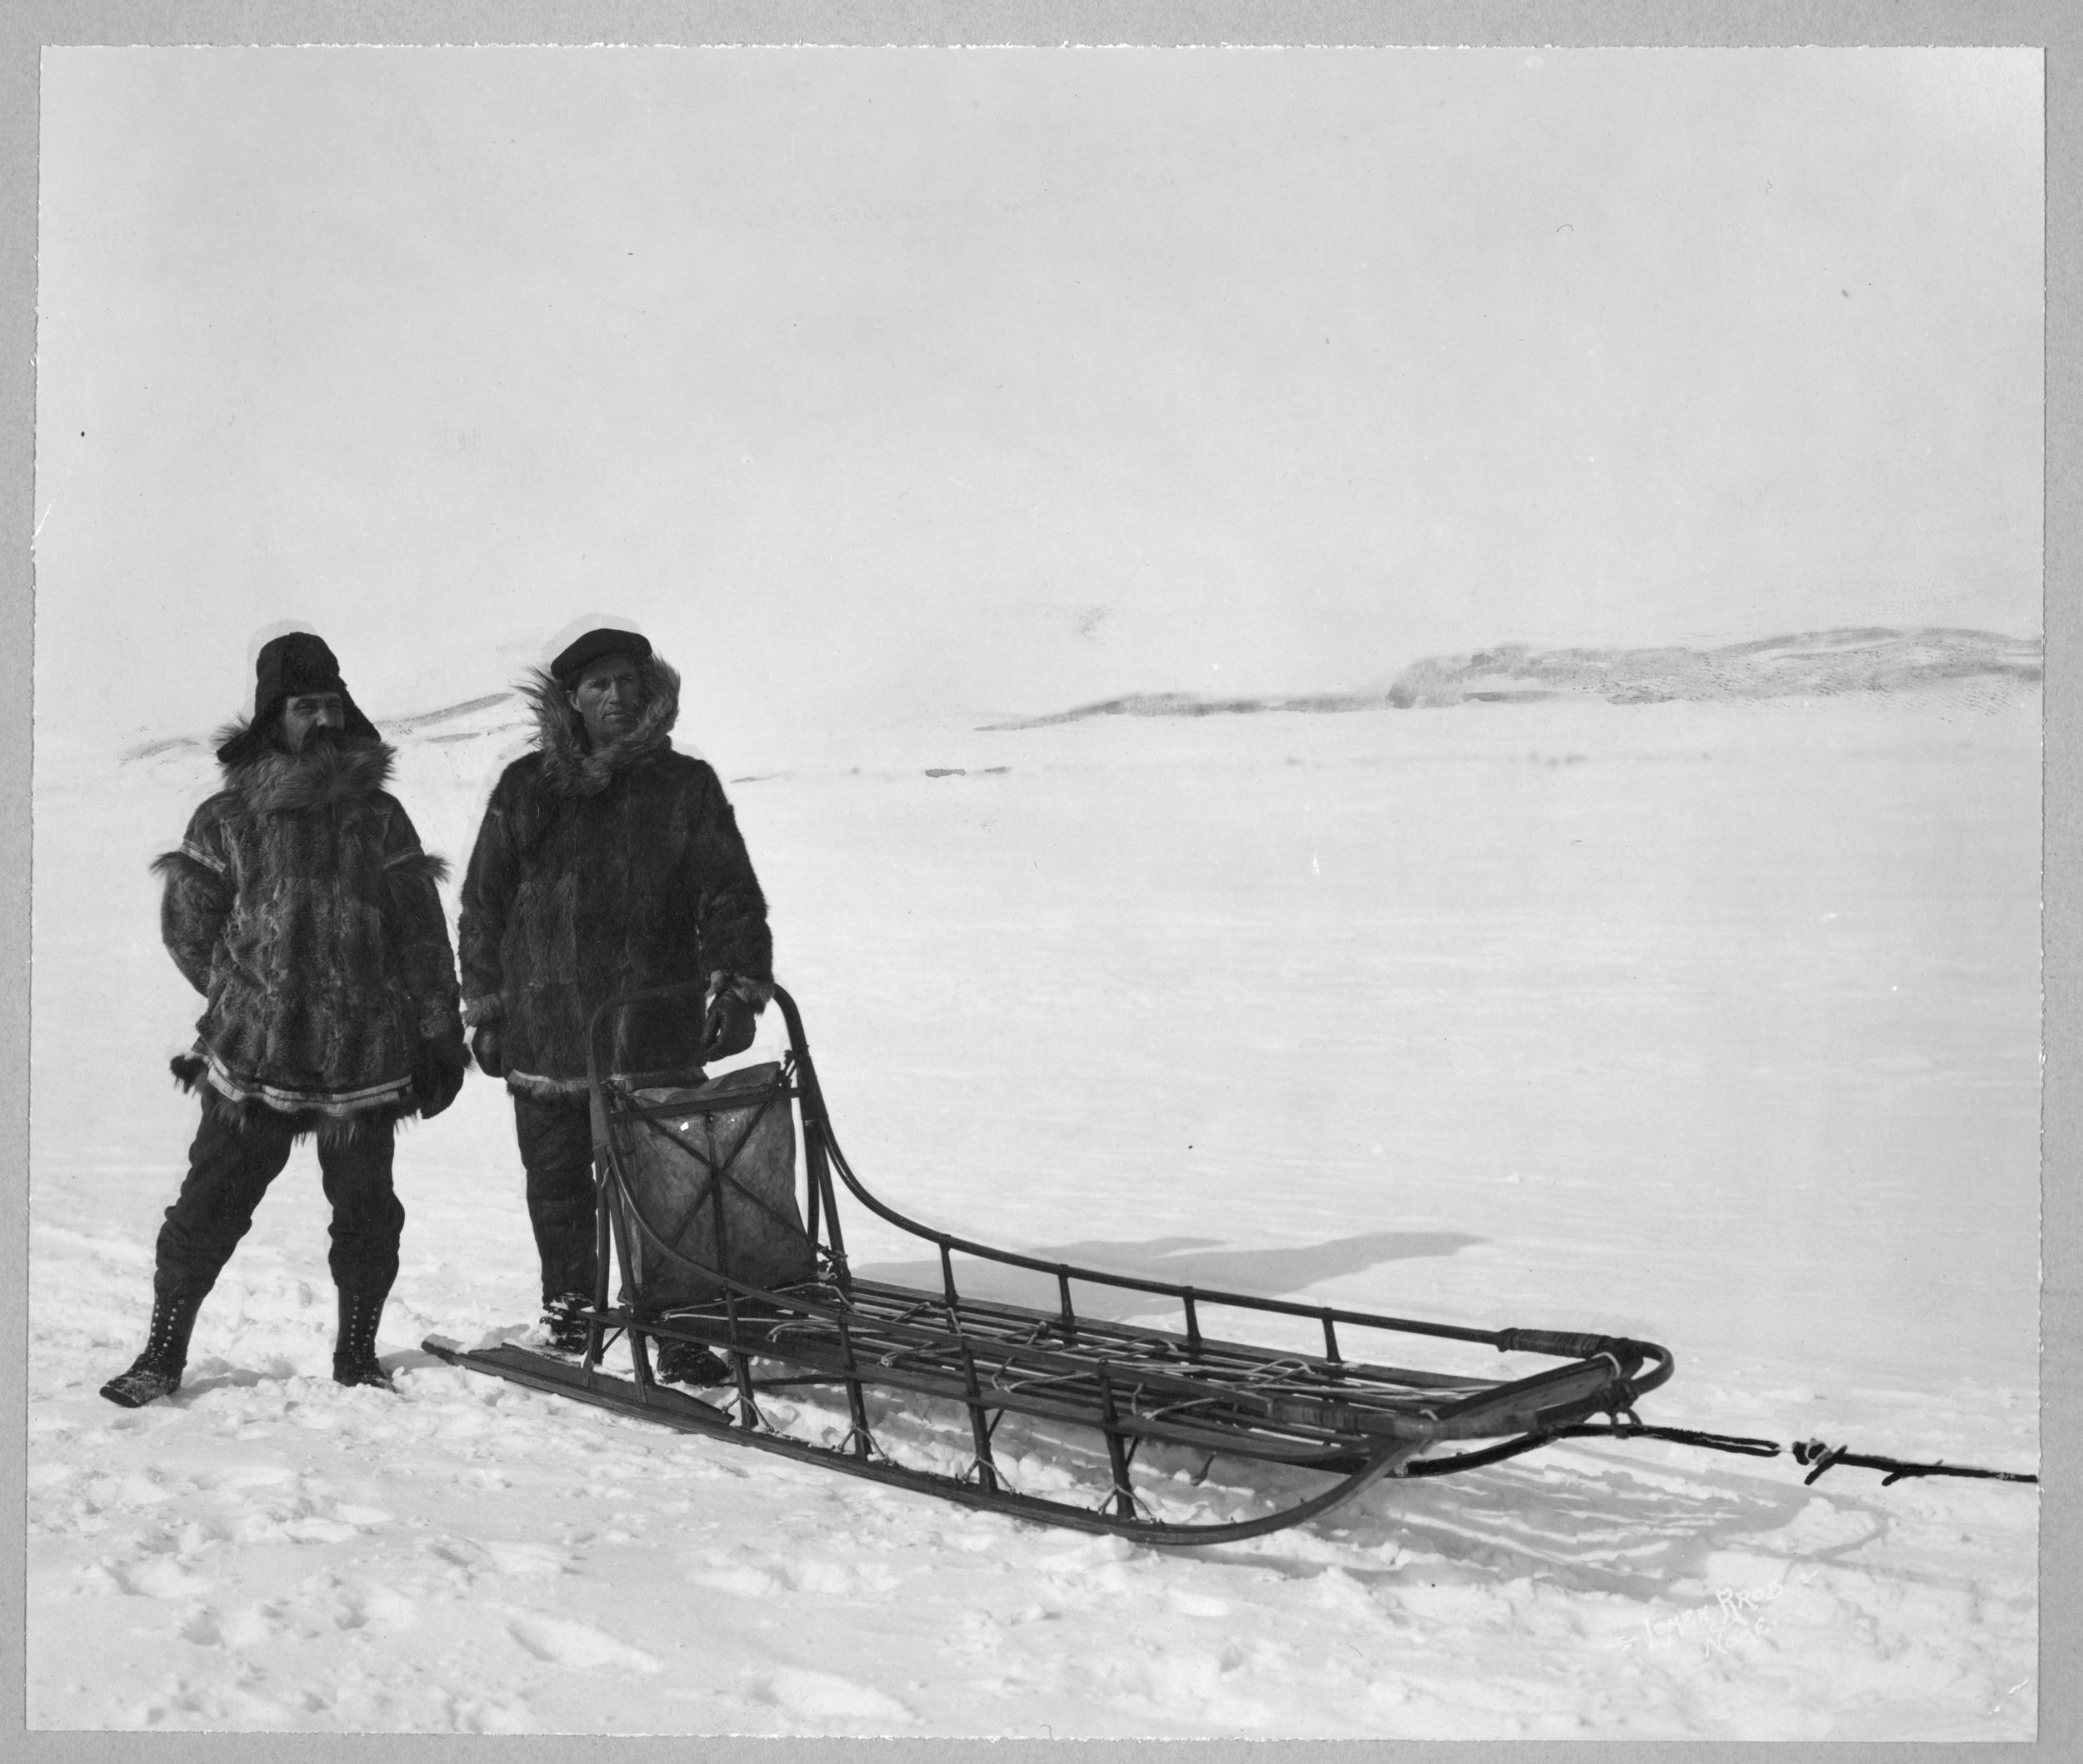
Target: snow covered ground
1715 1024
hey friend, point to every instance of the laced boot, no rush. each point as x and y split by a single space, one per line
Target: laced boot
354 1360
564 1327
157 1371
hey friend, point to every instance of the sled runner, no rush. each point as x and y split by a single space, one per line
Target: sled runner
1042 1411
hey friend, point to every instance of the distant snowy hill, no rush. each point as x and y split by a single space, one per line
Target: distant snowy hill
478 733
1814 664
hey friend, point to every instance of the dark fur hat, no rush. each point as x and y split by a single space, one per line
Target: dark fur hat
288 666
602 641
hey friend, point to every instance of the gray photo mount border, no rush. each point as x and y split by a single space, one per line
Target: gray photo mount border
2055 25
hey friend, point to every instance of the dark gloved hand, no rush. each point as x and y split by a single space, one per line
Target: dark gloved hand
727 1029
437 1074
484 1046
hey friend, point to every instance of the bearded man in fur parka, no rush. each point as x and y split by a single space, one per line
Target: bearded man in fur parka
607 863
302 907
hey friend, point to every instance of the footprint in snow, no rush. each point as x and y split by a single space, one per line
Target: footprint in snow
131 1493
375 1608
485 1714
561 1641
317 1529
838 1579
465 1559
249 1626
157 1580
250 1476
526 1558
202 1629
825 1696
98 1577
1823 1527
1197 1604
744 1579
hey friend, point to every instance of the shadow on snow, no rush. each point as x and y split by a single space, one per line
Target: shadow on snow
1259 1273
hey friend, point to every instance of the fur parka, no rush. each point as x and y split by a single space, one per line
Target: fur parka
302 908
606 869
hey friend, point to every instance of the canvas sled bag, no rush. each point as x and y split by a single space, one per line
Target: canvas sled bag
710 1171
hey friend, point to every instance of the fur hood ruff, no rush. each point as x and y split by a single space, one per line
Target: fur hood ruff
275 780
572 764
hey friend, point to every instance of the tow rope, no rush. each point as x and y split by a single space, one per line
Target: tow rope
1812 1452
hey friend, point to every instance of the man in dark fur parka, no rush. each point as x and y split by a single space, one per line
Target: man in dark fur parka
300 906
607 863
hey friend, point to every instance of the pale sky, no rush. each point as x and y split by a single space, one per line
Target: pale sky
964 383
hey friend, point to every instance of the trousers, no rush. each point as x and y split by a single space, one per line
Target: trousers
233 1159
556 1138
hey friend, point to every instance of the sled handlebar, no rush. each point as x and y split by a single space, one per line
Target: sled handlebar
1561 1345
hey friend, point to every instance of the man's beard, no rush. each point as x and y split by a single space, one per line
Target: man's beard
322 735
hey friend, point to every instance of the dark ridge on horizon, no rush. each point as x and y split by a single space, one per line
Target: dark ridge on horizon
422 719
167 746
1810 664
387 727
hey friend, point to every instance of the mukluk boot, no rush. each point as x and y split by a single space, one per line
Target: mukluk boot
157 1371
354 1360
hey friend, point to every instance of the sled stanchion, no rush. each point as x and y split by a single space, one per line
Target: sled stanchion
1117 1457
817 1144
856 1401
603 1189
815 1155
603 1250
842 1273
749 1414
980 1431
723 1247
640 1339
1063 1292
1193 1323
1330 1346
809 1172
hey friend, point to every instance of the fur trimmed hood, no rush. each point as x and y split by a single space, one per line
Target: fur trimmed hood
274 779
572 764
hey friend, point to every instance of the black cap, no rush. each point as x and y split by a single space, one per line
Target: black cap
602 641
288 666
